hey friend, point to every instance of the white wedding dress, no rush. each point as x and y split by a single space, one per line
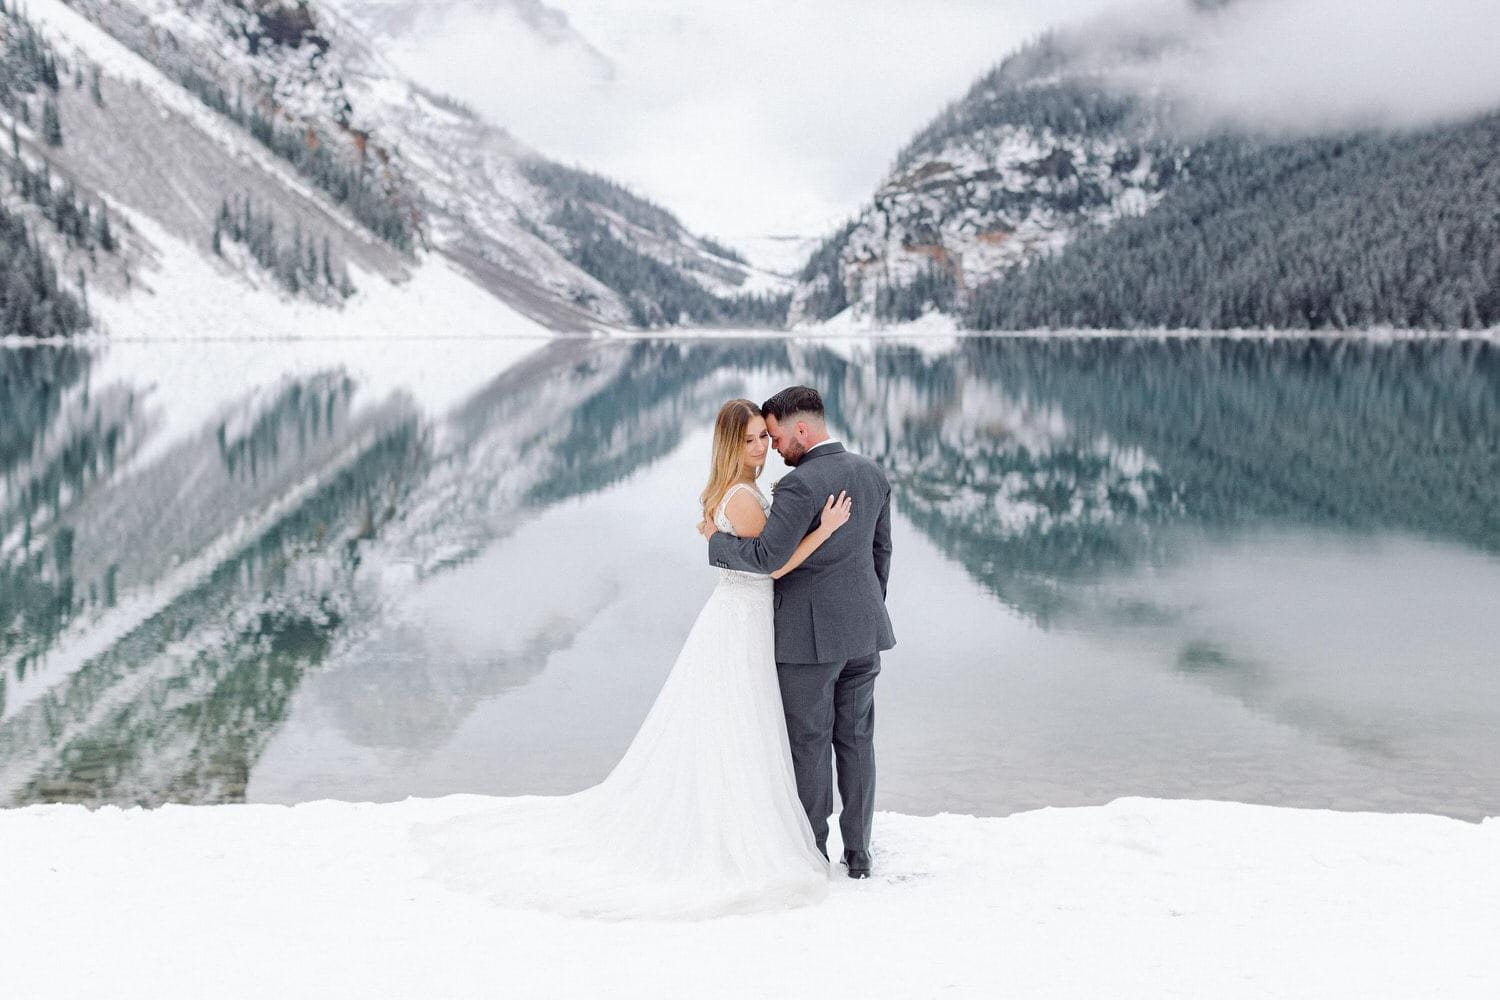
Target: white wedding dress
699 818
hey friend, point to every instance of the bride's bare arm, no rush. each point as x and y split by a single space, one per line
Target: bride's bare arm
749 521
744 512
835 515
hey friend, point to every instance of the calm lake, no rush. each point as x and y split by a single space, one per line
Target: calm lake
1261 570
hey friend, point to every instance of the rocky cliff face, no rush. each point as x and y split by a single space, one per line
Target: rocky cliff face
1037 151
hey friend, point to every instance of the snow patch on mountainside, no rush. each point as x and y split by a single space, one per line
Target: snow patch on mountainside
188 296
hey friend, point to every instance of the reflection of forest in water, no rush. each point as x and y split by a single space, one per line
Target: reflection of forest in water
156 616
1037 463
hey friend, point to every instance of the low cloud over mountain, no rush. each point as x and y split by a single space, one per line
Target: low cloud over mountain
1316 65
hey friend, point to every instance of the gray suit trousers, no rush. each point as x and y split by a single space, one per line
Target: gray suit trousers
830 713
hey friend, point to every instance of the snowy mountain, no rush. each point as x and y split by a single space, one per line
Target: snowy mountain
1037 151
257 148
1071 188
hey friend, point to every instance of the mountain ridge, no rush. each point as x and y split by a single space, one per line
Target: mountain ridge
1060 193
286 111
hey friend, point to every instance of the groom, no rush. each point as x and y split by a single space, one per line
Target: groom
831 622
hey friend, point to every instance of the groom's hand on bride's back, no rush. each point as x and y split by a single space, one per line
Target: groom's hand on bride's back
706 528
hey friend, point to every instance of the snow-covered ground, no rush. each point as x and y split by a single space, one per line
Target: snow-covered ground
1139 898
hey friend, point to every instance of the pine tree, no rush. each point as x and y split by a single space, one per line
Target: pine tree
96 90
105 235
51 123
32 303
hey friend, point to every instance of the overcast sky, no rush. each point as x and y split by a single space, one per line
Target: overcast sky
781 116
778 116
1314 65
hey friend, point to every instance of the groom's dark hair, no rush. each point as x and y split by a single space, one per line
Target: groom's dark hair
796 399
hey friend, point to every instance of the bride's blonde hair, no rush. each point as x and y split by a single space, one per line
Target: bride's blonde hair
729 444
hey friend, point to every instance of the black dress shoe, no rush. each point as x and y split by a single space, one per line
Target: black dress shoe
858 863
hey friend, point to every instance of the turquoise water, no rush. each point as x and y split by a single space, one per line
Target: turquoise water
1263 570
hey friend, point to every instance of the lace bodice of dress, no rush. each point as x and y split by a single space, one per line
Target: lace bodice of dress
722 522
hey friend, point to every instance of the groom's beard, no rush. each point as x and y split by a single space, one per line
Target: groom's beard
792 456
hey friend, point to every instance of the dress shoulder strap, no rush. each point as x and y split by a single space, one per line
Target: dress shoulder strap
724 503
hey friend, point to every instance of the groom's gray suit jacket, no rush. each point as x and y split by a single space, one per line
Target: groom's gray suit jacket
832 607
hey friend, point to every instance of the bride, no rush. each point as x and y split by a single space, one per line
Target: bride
701 816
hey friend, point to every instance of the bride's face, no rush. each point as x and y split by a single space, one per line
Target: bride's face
757 443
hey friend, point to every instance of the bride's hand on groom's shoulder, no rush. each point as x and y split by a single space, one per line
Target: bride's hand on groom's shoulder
836 512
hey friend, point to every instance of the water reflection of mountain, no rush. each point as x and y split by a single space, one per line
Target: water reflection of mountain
999 476
1402 435
226 584
572 420
47 456
189 596
156 617
89 535
1040 463
33 381
653 393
